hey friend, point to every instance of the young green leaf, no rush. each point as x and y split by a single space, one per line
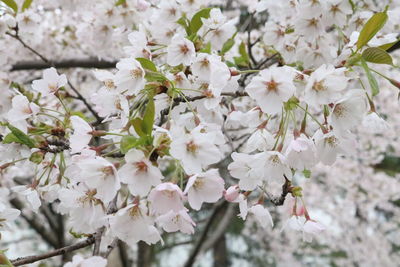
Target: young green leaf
228 45
371 79
196 22
120 2
128 142
26 4
137 125
148 117
184 23
370 29
147 64
388 45
21 136
377 55
11 4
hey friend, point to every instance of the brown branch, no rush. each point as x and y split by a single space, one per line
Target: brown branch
61 251
192 257
286 189
178 100
86 63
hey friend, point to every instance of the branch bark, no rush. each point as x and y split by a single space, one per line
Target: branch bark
60 251
86 63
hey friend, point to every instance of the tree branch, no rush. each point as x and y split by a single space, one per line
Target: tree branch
64 64
60 251
203 237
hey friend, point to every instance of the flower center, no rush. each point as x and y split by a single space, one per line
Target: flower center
192 147
339 110
136 73
109 83
184 49
272 86
319 86
141 166
198 184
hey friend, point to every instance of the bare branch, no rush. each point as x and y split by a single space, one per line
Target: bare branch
203 236
64 64
60 251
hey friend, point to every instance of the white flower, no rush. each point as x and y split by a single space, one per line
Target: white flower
271 87
50 83
373 123
81 137
7 215
216 19
130 76
176 221
249 169
30 194
308 227
204 187
196 150
180 51
166 197
301 153
79 261
260 140
131 225
262 215
348 111
100 174
86 214
22 109
211 69
275 166
329 146
324 85
139 173
138 46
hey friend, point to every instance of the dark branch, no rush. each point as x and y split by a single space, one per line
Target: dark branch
64 64
60 251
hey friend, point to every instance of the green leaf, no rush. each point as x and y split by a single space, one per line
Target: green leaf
11 138
26 4
21 136
371 79
243 51
307 173
388 45
196 23
370 29
228 45
148 117
377 55
147 64
206 49
184 23
128 142
353 6
11 4
137 125
120 2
